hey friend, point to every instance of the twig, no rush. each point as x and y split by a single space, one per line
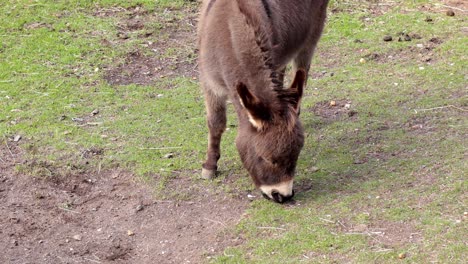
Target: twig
214 221
160 148
365 233
271 227
452 7
69 210
341 224
6 81
384 250
326 220
9 149
356 233
229 256
92 260
60 84
441 107
162 201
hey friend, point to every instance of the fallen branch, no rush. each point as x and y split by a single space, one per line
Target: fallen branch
69 210
92 260
271 227
326 220
452 7
160 148
217 222
441 107
384 250
9 149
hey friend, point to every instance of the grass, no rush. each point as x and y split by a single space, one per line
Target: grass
387 181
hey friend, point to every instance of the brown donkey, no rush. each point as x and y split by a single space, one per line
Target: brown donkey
245 46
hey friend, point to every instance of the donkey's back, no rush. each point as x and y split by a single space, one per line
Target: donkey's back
288 30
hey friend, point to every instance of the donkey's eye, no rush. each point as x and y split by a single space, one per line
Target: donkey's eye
272 162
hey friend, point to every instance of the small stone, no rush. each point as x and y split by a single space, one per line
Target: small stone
360 228
77 237
352 113
160 95
387 38
402 255
250 196
421 68
17 138
130 233
314 169
450 13
122 35
332 103
362 60
95 112
420 46
139 207
104 136
169 156
416 36
347 106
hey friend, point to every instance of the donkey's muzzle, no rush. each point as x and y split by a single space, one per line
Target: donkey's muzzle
278 197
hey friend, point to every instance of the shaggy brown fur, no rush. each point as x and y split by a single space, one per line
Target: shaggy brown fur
245 46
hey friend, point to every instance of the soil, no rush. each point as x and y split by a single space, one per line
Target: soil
331 111
108 217
83 216
166 52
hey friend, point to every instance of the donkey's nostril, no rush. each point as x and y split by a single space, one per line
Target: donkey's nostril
279 198
266 196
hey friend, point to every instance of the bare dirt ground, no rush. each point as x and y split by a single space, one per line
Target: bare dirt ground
107 218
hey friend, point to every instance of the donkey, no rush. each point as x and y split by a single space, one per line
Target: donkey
245 46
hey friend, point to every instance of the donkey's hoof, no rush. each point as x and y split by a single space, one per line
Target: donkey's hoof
208 174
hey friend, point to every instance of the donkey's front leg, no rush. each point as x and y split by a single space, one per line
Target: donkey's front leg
216 119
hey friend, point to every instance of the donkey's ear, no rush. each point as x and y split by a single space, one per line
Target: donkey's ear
297 88
258 112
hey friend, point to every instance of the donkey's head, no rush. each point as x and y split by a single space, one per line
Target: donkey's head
270 141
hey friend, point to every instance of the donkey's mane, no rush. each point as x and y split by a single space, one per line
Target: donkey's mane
263 34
